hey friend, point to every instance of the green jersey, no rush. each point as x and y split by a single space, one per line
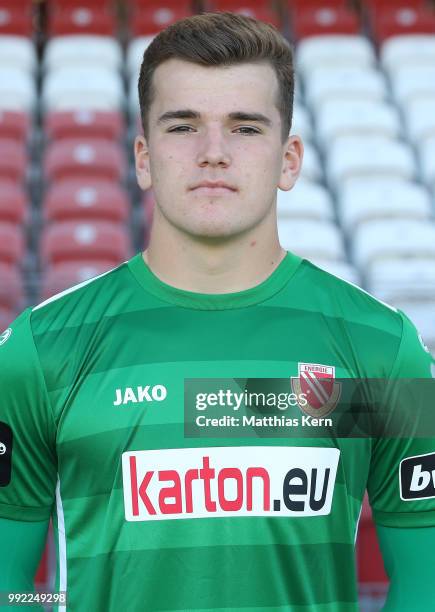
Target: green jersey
92 427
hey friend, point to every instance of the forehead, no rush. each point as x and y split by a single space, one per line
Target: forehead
251 86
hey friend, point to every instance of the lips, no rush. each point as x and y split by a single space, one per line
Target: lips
214 188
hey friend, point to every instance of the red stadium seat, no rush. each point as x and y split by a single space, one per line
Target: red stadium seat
297 5
81 19
6 318
14 125
15 20
257 10
13 160
83 124
325 20
11 243
82 200
90 241
403 20
13 202
375 5
150 20
85 158
64 275
11 288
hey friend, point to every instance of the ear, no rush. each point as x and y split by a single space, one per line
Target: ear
142 162
293 153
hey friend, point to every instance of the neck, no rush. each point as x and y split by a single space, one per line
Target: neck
213 265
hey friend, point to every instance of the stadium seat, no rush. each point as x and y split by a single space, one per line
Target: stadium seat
413 82
427 161
370 157
342 269
13 202
257 10
64 275
18 53
82 88
422 314
17 90
82 50
402 279
90 241
338 117
311 239
305 201
361 200
407 50
420 119
323 84
11 244
81 20
301 122
11 288
314 21
84 124
311 166
15 21
82 200
150 20
13 160
14 125
135 52
388 239
84 158
339 50
394 21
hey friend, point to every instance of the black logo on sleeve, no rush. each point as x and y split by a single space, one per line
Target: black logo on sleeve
417 477
5 454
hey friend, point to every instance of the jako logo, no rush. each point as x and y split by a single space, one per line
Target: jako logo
157 393
228 481
417 477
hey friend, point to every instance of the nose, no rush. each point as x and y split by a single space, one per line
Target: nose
213 149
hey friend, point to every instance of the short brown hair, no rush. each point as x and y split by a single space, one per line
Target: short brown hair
221 39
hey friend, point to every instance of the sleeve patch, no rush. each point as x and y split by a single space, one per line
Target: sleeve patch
5 454
417 477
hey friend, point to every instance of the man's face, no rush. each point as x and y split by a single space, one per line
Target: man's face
215 124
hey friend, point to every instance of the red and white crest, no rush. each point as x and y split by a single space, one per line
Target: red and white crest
317 382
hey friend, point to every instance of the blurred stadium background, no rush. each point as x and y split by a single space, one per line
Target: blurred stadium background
365 108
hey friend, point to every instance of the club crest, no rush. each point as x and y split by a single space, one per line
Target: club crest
317 382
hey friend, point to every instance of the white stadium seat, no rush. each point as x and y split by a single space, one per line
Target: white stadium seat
413 82
420 119
422 314
311 239
402 279
17 90
135 52
388 239
370 157
361 200
306 200
342 269
82 88
71 51
323 84
356 117
337 50
18 52
427 161
301 123
407 49
311 166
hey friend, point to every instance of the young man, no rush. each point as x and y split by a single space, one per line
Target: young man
96 380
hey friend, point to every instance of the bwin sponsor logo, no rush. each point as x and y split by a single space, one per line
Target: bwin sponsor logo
139 395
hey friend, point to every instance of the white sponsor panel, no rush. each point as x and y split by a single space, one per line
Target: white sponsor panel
228 481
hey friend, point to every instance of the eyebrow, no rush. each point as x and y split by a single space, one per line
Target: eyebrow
236 116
